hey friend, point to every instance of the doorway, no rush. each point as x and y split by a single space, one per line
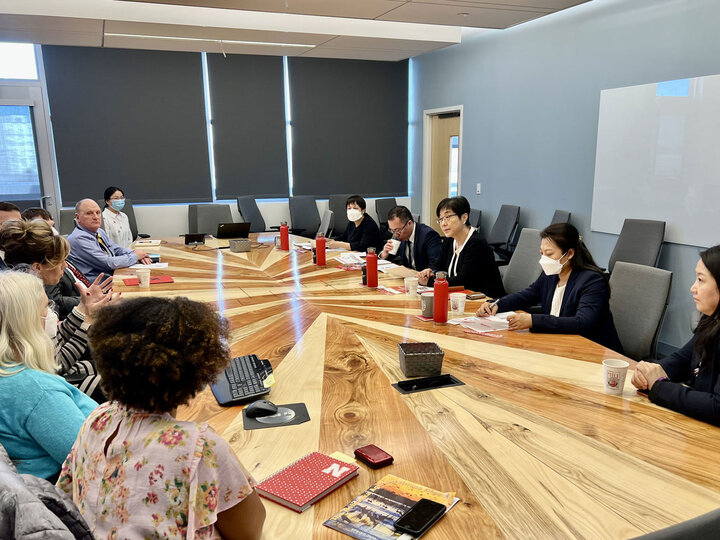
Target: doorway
442 158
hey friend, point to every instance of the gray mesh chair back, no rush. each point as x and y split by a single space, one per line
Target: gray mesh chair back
704 526
326 223
249 211
475 217
205 218
523 268
503 230
638 300
304 215
383 207
560 216
336 203
640 242
67 221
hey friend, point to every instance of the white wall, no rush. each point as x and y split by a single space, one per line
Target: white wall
172 219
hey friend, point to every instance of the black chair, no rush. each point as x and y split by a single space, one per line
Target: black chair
129 211
560 216
383 207
503 232
205 218
304 215
248 208
336 203
475 217
640 242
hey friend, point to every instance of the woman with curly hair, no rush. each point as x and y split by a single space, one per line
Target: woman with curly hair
136 471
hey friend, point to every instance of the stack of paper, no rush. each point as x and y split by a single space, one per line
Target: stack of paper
484 324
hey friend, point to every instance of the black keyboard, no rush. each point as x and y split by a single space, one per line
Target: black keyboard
245 375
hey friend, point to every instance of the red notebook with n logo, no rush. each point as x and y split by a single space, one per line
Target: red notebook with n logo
301 484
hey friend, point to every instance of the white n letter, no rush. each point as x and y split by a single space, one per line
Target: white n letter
335 470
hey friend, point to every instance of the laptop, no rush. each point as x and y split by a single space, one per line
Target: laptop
233 230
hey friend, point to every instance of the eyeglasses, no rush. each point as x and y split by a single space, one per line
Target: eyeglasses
443 219
401 229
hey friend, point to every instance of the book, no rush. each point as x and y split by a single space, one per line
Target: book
153 280
371 515
304 482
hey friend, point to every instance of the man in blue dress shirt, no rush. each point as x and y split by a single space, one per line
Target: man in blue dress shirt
420 245
91 250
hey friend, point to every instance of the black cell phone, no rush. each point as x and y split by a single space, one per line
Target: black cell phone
420 517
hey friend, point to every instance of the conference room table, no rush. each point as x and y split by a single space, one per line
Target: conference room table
530 443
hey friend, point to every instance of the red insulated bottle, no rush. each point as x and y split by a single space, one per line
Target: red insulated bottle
320 249
372 272
284 236
440 298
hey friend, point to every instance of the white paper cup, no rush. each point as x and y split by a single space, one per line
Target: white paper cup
396 246
457 304
614 373
426 304
411 285
143 275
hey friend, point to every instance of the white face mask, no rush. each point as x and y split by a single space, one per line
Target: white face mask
551 267
354 214
51 323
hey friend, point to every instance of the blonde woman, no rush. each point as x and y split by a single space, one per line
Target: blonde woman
40 413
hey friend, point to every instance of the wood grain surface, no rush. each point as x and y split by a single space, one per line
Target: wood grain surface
530 443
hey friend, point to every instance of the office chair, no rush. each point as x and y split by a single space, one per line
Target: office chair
638 303
523 268
205 218
67 221
475 218
304 215
503 232
326 223
640 242
560 216
336 203
416 218
248 208
383 207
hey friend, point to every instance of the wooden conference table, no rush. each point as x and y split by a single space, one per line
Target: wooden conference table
530 444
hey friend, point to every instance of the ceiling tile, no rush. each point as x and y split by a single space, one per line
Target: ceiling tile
51 30
420 12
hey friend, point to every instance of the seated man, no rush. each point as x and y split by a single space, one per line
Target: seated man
91 250
40 213
420 245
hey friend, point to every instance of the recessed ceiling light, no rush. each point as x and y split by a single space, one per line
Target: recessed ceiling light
213 40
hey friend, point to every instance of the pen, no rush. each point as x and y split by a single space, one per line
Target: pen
494 303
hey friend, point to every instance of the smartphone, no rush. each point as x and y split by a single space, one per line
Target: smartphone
373 457
475 296
420 517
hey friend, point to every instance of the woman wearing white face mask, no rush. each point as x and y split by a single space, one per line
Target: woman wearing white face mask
572 290
32 244
40 413
115 221
362 232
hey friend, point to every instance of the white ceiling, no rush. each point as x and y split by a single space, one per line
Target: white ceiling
362 29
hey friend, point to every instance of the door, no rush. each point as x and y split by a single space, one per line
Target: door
444 153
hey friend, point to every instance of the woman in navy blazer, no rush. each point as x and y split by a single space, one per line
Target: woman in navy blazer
573 292
687 381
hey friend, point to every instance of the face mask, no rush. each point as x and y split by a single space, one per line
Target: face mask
118 204
51 323
551 267
354 214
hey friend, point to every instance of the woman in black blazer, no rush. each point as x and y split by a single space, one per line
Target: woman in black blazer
687 381
572 290
466 256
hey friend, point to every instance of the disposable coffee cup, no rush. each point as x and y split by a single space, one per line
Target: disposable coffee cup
614 373
426 304
457 304
396 246
411 285
143 275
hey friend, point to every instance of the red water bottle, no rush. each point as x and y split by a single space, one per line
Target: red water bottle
284 236
371 262
320 249
440 298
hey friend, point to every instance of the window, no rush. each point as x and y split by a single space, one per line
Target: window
19 179
17 61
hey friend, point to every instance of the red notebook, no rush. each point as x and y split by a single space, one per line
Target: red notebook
301 484
153 280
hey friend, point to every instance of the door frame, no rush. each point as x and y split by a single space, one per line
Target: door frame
427 157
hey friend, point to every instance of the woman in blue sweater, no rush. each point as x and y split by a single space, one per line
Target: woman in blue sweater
40 413
572 290
687 380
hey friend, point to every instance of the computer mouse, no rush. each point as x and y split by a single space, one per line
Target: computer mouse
260 408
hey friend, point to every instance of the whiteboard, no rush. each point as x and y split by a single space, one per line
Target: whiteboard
658 157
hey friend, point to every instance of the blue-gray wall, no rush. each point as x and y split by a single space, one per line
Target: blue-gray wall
531 97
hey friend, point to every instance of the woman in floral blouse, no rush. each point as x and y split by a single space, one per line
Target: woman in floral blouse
135 471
